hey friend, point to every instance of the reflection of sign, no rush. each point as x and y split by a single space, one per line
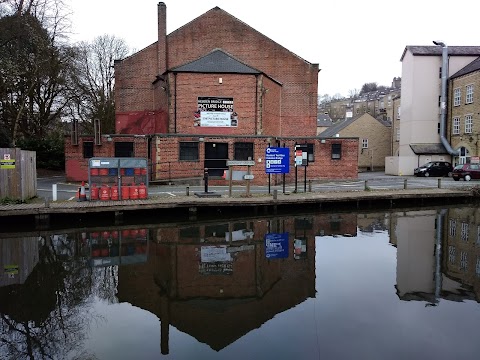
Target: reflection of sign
216 268
277 160
299 249
215 112
7 164
11 269
214 254
276 246
215 260
474 160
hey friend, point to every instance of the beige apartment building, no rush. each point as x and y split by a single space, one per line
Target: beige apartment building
464 111
421 109
374 139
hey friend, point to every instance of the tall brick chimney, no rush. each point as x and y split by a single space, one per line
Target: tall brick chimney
162 38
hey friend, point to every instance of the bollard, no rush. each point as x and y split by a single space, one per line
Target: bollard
275 194
439 183
366 185
309 185
47 202
54 192
405 184
205 178
187 190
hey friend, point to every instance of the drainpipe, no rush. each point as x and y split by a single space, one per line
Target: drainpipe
443 100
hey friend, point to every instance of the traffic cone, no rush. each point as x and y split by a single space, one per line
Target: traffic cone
82 196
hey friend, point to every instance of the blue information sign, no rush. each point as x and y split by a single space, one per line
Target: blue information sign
277 160
276 246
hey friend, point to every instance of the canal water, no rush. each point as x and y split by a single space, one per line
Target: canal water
373 285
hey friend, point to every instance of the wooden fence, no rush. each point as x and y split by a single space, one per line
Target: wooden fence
18 174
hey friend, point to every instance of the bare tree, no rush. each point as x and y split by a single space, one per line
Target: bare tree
353 93
96 82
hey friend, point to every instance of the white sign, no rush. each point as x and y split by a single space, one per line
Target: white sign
240 162
248 177
216 118
95 163
6 156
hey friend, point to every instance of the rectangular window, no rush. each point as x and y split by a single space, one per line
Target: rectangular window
336 151
398 134
463 260
311 152
469 94
124 149
87 149
188 150
451 254
456 126
468 124
398 113
477 269
464 233
364 143
457 97
452 228
243 151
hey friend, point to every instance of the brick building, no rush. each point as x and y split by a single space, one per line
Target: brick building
214 90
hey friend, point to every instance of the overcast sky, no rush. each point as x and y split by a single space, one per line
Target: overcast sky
353 41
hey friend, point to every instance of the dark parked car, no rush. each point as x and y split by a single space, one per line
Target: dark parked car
466 172
434 168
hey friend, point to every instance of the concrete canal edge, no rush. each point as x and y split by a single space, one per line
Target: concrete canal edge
42 215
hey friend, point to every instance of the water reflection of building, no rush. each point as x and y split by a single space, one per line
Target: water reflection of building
225 275
419 271
372 222
18 257
461 252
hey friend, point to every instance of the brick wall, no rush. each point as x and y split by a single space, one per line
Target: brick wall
76 166
168 166
217 29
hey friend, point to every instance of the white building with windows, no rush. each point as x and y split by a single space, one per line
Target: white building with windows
420 105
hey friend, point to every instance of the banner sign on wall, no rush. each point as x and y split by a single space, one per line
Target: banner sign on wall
215 112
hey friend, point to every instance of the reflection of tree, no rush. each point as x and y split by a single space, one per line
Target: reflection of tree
48 316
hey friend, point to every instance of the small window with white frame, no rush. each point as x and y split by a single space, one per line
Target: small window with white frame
469 94
457 96
398 113
456 126
398 134
468 124
364 143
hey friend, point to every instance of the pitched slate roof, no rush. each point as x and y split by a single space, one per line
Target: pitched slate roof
336 128
433 50
473 66
324 120
217 61
426 149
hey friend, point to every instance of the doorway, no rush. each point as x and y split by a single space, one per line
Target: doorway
216 156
